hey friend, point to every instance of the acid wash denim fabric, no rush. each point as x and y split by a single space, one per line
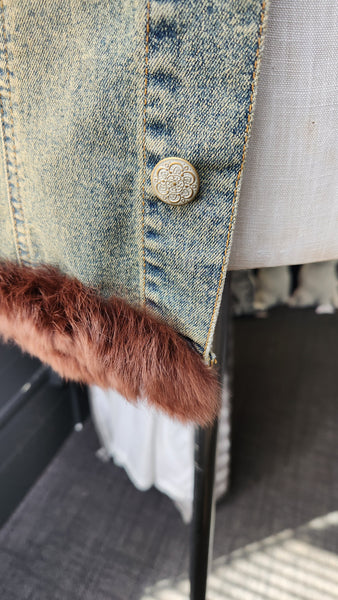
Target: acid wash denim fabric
93 95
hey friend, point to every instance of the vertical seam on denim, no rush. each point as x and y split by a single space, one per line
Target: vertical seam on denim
246 135
146 57
15 203
3 127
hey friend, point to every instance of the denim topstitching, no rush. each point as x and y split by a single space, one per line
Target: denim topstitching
3 127
16 208
146 57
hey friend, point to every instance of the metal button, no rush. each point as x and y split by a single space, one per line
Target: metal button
175 181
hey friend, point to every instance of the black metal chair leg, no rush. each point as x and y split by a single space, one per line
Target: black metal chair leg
205 458
75 398
205 451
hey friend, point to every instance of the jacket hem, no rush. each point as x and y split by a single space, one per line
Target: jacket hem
107 342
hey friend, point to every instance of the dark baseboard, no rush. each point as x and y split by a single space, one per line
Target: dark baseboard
37 413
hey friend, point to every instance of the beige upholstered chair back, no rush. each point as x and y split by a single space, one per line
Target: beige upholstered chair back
288 207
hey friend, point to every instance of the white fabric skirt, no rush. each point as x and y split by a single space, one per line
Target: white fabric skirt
155 450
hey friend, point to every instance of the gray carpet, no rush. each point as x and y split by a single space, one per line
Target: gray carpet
84 532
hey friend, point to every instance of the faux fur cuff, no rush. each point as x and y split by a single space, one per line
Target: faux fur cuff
105 342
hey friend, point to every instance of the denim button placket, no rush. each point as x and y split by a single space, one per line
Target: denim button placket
199 84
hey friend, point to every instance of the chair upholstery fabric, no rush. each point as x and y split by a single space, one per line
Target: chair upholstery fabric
288 209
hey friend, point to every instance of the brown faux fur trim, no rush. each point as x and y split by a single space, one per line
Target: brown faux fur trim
105 342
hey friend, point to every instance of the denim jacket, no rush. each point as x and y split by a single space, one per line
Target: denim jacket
99 277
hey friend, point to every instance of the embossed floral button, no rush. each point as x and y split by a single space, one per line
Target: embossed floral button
175 181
